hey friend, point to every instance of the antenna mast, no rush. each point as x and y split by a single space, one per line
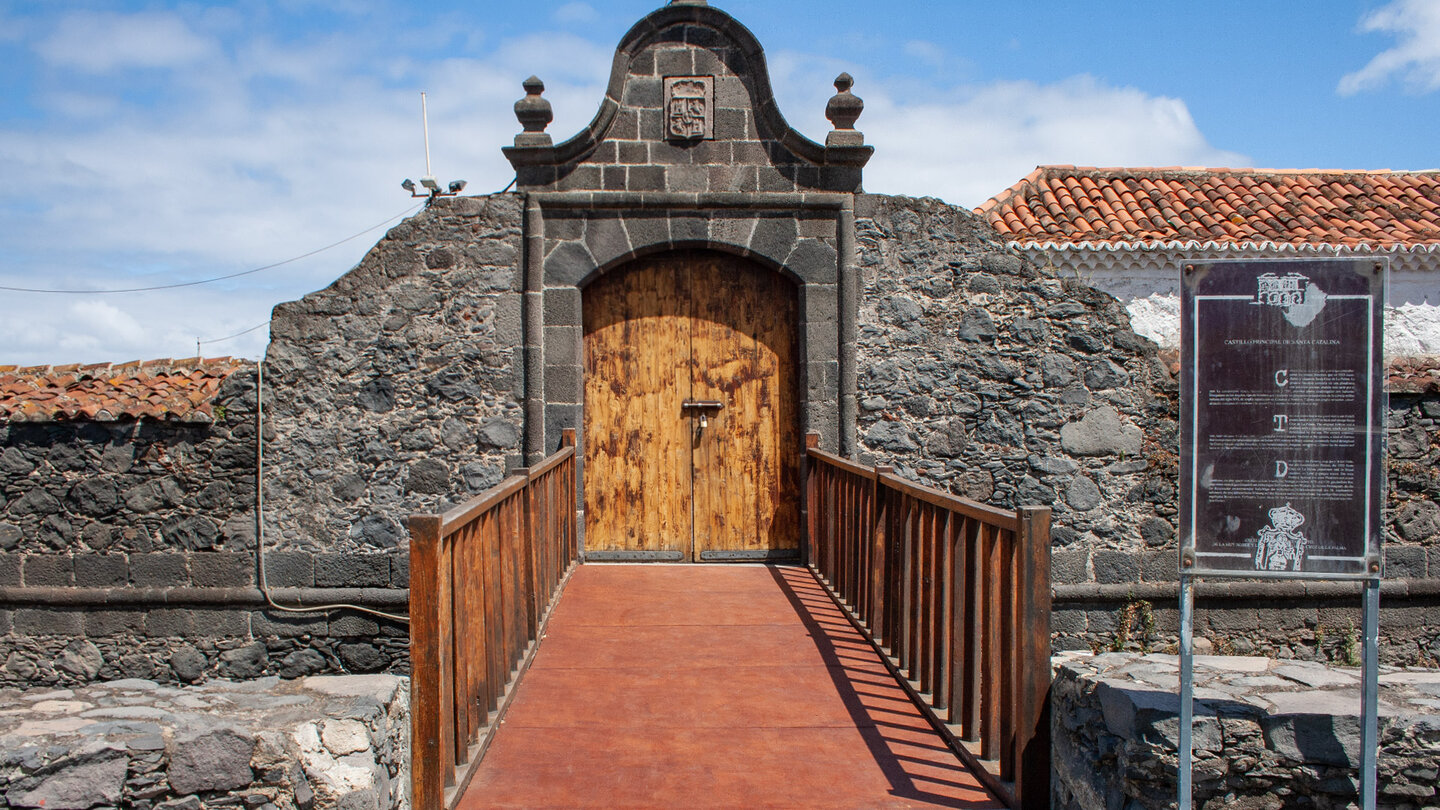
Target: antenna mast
425 124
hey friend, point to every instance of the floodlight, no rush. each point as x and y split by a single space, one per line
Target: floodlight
457 186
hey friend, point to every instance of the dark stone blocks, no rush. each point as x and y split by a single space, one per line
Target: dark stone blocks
159 570
774 238
101 570
289 569
47 622
815 261
607 240
352 570
48 570
222 570
568 264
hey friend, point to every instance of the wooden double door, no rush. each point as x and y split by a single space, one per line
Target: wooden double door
692 437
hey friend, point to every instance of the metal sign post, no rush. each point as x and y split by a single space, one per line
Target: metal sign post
1282 412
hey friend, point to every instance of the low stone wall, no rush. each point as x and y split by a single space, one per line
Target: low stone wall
1268 734
318 743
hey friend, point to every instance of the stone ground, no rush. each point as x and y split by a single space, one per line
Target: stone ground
1268 733
269 744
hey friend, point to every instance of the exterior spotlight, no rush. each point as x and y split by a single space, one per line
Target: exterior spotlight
432 186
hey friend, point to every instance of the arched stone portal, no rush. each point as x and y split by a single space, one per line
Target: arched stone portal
691 412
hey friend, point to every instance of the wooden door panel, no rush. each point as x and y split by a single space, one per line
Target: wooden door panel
691 326
637 445
746 481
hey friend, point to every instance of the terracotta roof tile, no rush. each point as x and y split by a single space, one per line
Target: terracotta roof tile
1381 209
170 390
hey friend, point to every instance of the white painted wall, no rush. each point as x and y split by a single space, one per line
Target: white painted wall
1147 282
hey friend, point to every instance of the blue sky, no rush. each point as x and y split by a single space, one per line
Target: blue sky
152 143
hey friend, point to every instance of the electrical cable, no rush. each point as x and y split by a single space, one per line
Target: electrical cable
178 285
237 334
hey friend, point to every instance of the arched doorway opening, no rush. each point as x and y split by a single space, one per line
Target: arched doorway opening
691 414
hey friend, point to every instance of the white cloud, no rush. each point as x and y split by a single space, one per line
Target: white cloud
1415 59
966 144
264 149
575 14
98 42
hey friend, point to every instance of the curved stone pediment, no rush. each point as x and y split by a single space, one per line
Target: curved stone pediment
689 108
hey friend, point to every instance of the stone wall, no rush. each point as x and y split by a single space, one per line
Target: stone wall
1268 734
322 743
397 389
1000 381
106 492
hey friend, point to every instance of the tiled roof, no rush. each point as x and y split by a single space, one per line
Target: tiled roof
1406 375
171 390
1069 205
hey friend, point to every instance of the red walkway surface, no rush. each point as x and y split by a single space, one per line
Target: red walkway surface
712 686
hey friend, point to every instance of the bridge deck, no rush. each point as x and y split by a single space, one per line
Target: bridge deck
712 686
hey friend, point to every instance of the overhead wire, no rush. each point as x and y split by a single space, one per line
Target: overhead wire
198 282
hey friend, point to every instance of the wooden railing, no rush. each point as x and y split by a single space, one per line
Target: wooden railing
956 595
483 577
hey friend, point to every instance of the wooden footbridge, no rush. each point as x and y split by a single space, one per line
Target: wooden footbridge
904 663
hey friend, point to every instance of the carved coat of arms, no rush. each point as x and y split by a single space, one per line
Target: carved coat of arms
689 108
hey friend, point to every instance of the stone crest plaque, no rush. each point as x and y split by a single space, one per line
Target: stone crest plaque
1282 418
689 108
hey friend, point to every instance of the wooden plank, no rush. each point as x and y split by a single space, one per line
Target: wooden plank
1032 716
463 706
990 514
494 622
944 641
841 463
990 707
812 503
743 349
426 771
974 626
637 443
462 515
878 567
1008 658
924 582
912 584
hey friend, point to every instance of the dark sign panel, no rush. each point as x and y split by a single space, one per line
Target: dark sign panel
1282 406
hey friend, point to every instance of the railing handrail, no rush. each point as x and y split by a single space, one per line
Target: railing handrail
497 563
955 594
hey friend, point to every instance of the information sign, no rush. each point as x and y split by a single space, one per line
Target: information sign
1282 413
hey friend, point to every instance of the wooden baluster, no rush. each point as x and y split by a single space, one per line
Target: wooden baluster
961 619
1008 658
944 592
911 591
494 621
990 648
426 701
464 707
920 668
1032 715
880 520
974 626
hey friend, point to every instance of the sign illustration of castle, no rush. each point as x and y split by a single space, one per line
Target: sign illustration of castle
1292 292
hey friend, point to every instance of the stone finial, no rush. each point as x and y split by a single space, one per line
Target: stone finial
843 110
534 113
